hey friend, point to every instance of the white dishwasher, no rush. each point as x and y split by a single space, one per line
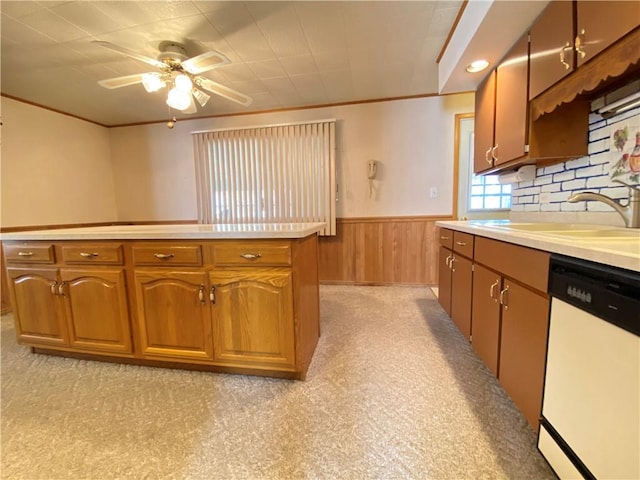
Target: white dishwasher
590 425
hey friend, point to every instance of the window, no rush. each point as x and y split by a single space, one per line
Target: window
488 194
269 174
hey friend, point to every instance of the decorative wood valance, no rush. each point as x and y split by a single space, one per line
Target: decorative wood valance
618 59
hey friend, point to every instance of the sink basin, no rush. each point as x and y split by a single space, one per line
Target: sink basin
550 227
599 235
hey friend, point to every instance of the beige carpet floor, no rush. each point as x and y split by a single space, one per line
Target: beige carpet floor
393 392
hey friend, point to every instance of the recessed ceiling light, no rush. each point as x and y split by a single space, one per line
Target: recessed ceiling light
477 66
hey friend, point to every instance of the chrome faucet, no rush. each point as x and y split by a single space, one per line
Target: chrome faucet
630 212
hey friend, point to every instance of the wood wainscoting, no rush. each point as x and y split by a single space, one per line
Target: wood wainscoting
381 251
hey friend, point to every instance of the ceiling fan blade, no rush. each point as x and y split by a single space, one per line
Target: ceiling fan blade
204 62
223 91
118 82
192 106
131 53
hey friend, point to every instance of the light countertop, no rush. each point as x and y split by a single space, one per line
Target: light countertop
167 232
620 252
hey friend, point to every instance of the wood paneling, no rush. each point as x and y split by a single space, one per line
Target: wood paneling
381 251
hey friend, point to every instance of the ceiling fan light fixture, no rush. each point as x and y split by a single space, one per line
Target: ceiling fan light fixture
152 82
201 97
183 83
178 99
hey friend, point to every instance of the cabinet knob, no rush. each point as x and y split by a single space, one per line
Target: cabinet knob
54 288
212 295
201 294
163 256
250 256
61 289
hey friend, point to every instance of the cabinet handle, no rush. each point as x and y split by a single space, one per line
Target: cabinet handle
444 238
447 261
88 254
486 156
562 51
25 254
462 244
453 259
54 288
579 44
492 290
163 256
250 256
212 295
504 297
61 289
494 151
201 294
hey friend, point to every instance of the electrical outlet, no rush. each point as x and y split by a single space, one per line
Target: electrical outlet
433 192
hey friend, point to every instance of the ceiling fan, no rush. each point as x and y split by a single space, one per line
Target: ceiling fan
181 75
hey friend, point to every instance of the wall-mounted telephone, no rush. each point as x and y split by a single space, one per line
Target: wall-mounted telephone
371 174
373 168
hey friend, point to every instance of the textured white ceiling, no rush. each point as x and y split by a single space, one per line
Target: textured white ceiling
283 54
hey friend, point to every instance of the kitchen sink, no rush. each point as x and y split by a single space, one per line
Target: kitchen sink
599 235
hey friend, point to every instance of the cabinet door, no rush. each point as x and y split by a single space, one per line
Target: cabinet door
604 22
484 123
525 324
551 43
485 326
174 314
38 317
461 284
444 279
511 123
96 309
253 318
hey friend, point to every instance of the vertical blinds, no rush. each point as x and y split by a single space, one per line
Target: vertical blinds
272 174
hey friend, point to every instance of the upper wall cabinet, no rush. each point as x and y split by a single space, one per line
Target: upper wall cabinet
601 23
485 110
552 55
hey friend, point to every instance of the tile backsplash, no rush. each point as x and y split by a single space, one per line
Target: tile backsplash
548 193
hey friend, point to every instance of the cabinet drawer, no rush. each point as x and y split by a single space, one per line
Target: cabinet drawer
463 244
106 254
167 254
524 264
445 237
29 252
252 253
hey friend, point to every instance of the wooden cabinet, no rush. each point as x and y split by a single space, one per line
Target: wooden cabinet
510 319
511 120
552 53
238 306
96 309
523 346
173 312
36 307
601 23
445 253
253 317
455 280
485 331
485 111
83 309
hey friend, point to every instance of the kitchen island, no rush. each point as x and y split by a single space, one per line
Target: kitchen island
225 298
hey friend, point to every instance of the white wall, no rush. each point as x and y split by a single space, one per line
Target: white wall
55 169
411 139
